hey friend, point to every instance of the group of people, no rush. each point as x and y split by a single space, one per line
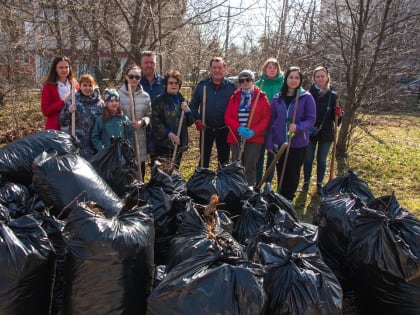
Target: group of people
246 122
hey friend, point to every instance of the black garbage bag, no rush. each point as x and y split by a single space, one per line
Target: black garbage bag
280 201
16 158
229 184
335 222
168 199
349 183
4 214
282 230
299 284
210 284
384 258
160 274
386 238
117 165
252 217
54 229
109 261
15 197
26 267
197 234
61 180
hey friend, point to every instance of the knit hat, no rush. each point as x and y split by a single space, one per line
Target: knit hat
246 73
110 94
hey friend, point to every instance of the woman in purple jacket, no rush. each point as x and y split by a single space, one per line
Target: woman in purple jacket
284 129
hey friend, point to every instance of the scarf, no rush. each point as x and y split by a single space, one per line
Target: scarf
246 97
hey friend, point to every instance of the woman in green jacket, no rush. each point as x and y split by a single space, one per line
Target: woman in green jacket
113 123
273 79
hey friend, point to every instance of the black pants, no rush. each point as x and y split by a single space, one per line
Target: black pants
292 172
223 149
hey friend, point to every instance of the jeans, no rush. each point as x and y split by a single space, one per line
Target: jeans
321 160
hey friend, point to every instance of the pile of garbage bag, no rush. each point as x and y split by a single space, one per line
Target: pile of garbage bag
80 236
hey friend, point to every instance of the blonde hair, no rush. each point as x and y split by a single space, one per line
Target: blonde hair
274 62
322 68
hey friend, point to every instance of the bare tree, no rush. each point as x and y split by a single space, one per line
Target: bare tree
362 41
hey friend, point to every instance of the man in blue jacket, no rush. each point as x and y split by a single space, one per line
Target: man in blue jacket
218 91
151 81
152 84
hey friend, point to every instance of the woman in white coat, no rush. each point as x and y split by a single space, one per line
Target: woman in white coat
142 109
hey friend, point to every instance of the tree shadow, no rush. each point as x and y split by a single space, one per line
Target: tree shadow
312 208
306 205
300 203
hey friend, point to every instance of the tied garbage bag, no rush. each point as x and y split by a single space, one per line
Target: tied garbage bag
109 261
117 165
252 217
4 214
26 267
384 258
298 284
15 197
210 284
282 230
229 184
16 158
168 199
54 229
273 197
387 238
60 180
349 183
335 222
198 234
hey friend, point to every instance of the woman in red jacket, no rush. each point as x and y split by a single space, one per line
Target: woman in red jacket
56 91
246 124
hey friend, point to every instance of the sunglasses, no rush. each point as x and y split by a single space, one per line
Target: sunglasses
244 80
132 76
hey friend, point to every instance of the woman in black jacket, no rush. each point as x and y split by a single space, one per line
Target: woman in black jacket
322 134
166 117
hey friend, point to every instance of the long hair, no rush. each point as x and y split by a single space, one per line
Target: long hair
131 67
52 74
284 87
322 68
107 115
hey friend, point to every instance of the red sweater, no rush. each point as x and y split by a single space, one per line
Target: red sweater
260 120
51 105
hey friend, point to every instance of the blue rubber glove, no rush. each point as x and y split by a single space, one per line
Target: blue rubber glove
242 130
249 133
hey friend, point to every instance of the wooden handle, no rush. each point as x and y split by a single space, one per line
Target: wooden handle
273 163
136 136
286 156
203 115
181 120
73 114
